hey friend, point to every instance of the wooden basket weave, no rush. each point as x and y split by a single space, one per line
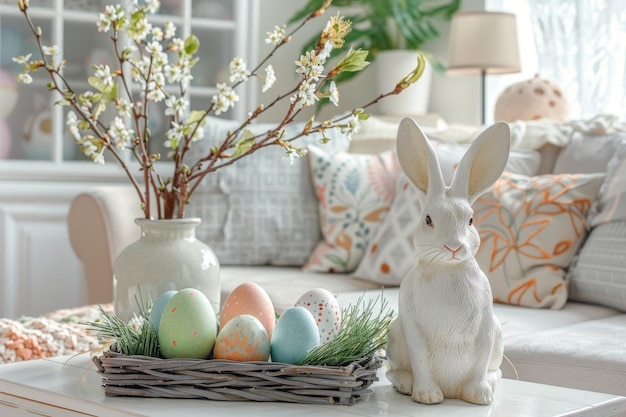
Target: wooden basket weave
142 376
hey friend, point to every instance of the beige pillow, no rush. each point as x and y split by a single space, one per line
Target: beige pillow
530 229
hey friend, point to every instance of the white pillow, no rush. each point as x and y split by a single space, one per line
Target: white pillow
587 153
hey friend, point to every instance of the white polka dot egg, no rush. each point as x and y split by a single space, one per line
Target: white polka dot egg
326 311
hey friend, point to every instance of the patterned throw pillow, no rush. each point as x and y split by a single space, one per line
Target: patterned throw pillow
262 209
391 253
530 229
354 193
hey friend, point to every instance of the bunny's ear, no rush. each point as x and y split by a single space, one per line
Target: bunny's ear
418 160
483 163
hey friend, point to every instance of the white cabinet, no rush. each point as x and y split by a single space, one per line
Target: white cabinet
41 169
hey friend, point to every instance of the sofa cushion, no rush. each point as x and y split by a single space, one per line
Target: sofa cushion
354 193
391 252
262 209
530 229
611 202
587 152
587 355
598 274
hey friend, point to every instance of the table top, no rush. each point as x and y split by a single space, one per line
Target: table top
65 386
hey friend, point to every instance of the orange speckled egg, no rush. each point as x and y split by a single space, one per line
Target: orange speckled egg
249 298
243 339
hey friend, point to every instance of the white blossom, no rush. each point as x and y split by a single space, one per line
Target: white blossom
119 133
152 6
141 29
352 127
276 36
22 59
170 30
154 92
72 125
174 135
305 96
270 78
172 73
225 99
124 107
108 16
50 50
175 106
157 34
325 52
24 78
93 152
238 71
176 45
310 65
103 74
334 93
291 154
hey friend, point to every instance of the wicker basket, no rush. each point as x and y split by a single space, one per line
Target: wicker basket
141 376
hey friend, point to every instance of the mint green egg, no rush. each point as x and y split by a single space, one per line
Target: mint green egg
188 326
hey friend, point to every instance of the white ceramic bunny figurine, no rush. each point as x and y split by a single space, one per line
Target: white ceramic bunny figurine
446 341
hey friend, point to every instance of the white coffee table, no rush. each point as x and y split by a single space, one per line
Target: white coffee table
58 387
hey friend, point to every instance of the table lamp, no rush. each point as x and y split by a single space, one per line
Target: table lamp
483 43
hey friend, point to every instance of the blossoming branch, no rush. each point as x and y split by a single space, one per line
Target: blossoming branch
150 60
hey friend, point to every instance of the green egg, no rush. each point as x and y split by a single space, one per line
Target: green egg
188 326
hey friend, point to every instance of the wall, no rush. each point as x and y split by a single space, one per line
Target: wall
455 98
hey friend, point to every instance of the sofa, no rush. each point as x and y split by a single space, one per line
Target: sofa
553 235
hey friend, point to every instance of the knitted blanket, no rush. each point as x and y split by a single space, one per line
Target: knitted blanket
62 332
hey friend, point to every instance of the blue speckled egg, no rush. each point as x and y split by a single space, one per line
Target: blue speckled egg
188 326
295 334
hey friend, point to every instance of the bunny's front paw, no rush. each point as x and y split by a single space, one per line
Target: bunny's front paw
479 392
427 394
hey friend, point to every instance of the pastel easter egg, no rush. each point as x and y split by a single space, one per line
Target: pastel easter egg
188 326
243 339
294 336
325 310
157 308
249 298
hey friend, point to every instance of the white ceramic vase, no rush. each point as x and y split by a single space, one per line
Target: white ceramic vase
391 66
166 257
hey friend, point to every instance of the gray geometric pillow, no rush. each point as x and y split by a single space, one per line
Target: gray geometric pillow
261 209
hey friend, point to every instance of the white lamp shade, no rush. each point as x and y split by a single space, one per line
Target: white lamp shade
483 41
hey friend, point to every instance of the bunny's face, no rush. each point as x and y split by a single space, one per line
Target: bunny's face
446 234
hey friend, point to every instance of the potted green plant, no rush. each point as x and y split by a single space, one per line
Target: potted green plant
389 30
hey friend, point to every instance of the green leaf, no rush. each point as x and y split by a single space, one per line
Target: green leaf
354 61
109 92
197 116
245 144
192 44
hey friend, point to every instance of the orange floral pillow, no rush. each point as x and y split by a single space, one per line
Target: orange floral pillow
530 229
